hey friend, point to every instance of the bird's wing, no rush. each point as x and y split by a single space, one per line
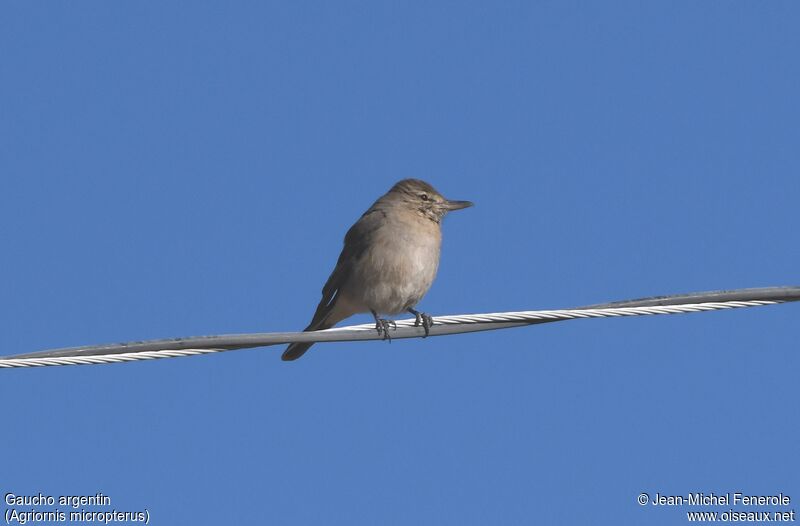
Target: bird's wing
356 241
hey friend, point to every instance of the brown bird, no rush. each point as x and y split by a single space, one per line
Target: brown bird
389 260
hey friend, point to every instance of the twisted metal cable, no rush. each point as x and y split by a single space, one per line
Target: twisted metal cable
444 325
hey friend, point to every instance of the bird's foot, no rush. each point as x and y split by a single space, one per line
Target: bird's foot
382 326
422 319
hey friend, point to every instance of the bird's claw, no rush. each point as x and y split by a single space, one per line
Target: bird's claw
425 320
382 326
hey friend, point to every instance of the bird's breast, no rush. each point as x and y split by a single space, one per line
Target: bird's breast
398 267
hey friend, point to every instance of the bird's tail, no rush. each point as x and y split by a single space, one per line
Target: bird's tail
296 350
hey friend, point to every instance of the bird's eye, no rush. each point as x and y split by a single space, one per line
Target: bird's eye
424 197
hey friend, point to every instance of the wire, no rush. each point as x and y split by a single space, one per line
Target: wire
444 325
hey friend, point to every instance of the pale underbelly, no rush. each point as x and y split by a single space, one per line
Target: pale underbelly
394 279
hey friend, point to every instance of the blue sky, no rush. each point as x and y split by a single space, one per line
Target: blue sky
187 168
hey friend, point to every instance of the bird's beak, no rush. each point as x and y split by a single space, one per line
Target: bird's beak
456 205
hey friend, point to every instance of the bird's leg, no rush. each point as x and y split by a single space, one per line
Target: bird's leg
382 326
422 319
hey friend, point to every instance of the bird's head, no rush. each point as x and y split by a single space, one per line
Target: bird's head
421 196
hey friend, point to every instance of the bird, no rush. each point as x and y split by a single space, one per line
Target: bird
389 261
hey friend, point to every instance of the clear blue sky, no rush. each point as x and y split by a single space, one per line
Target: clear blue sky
186 168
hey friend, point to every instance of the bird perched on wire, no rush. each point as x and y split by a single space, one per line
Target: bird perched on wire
388 262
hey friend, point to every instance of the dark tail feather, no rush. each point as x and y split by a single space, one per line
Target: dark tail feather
296 350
